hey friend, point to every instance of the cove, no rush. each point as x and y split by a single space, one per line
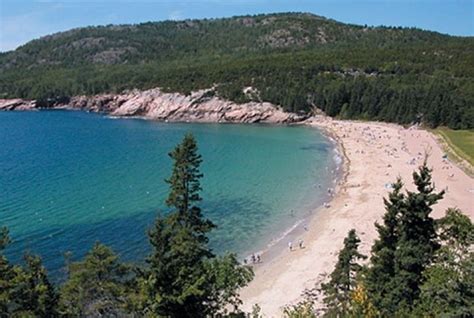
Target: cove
68 179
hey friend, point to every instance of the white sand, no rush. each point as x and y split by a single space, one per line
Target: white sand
376 153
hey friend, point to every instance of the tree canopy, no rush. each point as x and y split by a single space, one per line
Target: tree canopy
296 60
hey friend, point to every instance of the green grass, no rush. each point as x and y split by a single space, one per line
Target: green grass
461 142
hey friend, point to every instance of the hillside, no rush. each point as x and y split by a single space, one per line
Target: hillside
295 60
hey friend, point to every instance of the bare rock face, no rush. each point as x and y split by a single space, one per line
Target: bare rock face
199 106
17 104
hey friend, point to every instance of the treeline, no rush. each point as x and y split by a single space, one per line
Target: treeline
418 267
183 277
298 61
298 82
238 36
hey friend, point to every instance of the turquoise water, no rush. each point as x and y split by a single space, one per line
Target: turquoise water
68 179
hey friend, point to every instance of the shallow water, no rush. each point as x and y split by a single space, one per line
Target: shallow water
68 179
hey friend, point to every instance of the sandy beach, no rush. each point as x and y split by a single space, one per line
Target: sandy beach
375 155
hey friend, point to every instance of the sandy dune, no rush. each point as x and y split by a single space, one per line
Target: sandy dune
376 153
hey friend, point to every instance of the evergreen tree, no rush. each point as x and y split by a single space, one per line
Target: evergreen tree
379 276
343 279
448 289
39 296
96 286
25 292
417 239
7 275
405 247
226 277
185 278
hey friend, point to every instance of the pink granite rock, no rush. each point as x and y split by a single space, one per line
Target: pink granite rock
17 104
199 106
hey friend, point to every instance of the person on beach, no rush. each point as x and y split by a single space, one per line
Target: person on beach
300 243
258 258
290 246
253 258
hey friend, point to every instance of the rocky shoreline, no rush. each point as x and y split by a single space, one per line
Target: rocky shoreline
199 106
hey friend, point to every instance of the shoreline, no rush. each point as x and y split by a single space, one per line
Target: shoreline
375 154
154 104
278 245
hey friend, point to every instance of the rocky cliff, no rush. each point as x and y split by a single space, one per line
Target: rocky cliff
17 104
199 106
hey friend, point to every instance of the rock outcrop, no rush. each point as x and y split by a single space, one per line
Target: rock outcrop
199 106
17 104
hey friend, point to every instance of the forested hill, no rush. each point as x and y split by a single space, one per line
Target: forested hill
296 60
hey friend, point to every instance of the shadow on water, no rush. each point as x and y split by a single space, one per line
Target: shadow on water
237 221
322 147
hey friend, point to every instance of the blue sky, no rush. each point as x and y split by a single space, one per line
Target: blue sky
24 20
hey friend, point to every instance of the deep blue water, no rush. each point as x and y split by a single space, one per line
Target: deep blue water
68 179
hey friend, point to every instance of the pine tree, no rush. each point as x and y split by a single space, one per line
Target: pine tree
448 287
406 245
25 292
96 286
417 238
40 296
379 276
343 279
7 275
185 278
184 190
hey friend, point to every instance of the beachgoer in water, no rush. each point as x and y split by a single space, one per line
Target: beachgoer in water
245 261
253 258
290 246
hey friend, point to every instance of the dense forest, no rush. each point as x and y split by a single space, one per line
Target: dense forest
419 267
300 61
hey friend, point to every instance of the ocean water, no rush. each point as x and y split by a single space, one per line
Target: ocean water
69 179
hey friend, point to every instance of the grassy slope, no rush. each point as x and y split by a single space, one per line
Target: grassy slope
461 142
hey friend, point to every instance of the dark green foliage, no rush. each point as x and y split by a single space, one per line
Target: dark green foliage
343 279
417 238
39 295
226 277
299 61
96 286
448 287
406 246
25 291
419 267
185 278
4 238
179 240
7 275
379 277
